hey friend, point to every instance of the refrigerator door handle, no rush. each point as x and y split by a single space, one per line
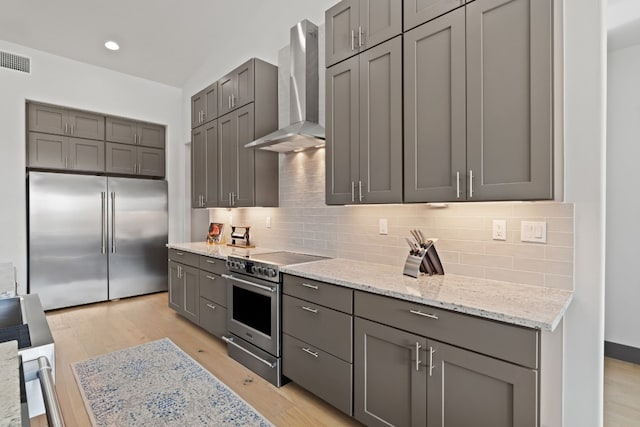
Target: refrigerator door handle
103 240
113 222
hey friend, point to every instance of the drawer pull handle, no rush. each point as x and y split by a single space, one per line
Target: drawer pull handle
306 285
309 309
419 313
210 277
179 253
210 262
307 350
211 306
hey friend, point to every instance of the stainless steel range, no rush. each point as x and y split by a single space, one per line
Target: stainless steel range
254 310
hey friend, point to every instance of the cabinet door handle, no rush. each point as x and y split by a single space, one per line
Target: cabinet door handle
309 309
229 198
418 346
179 272
458 184
210 277
66 162
360 191
211 306
229 101
308 351
431 351
359 35
353 190
306 285
233 198
233 100
353 37
470 183
419 313
71 129
66 128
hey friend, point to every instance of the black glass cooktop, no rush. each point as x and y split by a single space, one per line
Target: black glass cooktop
286 258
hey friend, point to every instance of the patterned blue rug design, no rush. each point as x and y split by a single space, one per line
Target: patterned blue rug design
158 384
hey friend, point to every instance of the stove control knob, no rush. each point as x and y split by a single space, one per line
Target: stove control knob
254 269
242 265
228 264
270 272
259 270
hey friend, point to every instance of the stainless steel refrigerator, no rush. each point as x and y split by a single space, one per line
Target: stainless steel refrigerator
95 238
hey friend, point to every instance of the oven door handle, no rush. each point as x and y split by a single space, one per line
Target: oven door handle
246 282
266 362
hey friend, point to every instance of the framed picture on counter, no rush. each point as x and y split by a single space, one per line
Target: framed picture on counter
215 233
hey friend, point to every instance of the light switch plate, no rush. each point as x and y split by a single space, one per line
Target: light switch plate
499 229
268 222
533 231
383 226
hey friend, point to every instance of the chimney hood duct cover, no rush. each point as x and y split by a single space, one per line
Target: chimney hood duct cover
304 131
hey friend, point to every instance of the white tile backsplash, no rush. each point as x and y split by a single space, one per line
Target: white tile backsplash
303 222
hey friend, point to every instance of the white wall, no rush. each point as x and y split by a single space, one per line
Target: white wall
61 81
585 157
623 207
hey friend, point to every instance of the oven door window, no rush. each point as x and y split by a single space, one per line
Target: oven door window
252 309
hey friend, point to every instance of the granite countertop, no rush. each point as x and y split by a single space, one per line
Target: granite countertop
216 251
10 385
525 305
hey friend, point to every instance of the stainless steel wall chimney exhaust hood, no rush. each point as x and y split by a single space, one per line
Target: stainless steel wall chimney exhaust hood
304 131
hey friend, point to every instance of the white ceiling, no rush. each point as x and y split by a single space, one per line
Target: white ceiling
160 40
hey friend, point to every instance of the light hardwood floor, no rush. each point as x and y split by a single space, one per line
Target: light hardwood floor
84 332
88 331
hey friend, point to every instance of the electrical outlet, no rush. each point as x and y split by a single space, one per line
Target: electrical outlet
499 229
533 231
383 226
268 222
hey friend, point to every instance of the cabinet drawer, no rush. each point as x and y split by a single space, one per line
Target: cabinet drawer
213 265
213 288
512 343
322 374
184 257
323 327
321 293
213 317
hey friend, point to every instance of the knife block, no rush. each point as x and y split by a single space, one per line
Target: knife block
426 261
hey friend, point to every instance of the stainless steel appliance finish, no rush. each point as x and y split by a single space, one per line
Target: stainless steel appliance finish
254 301
95 238
304 130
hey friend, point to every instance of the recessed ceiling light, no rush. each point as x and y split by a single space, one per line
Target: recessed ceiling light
111 45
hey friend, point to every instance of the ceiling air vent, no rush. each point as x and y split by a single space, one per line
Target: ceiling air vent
15 62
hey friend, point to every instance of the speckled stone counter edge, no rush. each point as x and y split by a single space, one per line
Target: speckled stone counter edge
9 385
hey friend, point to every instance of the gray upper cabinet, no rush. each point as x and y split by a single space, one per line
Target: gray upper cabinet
418 12
204 105
60 152
132 160
388 359
492 392
509 99
236 89
236 163
364 127
356 25
204 165
63 121
435 148
125 131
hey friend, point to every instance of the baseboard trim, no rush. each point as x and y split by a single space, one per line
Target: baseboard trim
622 352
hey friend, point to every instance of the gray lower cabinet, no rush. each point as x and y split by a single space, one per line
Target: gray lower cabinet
184 295
213 303
418 12
509 99
204 165
352 26
133 160
64 121
61 152
133 132
204 105
435 133
390 384
317 326
437 362
364 127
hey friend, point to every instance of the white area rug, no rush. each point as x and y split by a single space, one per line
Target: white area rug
158 384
